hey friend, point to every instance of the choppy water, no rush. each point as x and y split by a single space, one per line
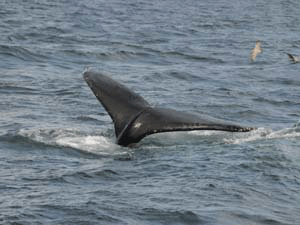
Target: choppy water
59 163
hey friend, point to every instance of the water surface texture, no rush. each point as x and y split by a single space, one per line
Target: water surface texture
59 161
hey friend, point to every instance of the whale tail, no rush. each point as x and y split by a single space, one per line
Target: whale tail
134 118
121 103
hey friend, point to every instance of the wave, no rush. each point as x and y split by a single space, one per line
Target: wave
16 88
108 55
221 137
264 134
101 143
171 217
193 57
97 144
22 53
277 102
99 174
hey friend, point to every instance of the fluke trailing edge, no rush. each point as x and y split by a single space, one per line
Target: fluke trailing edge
134 118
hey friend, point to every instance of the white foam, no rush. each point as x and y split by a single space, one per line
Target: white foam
93 144
101 143
227 137
73 138
186 137
263 134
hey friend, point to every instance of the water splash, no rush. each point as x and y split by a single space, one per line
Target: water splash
264 134
99 143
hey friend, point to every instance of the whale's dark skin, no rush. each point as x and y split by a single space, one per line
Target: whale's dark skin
134 118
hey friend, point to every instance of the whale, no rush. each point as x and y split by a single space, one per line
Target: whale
134 118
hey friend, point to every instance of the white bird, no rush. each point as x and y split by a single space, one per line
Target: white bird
255 51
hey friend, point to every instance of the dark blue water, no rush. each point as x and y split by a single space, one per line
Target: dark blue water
59 161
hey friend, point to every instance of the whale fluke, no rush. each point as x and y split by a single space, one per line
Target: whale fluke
293 58
134 118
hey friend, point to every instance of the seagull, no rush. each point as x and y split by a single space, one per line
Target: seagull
293 58
255 51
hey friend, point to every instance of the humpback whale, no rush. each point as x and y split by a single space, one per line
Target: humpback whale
134 118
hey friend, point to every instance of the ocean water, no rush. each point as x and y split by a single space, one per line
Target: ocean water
59 161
